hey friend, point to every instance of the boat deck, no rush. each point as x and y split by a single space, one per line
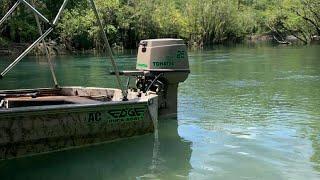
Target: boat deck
62 96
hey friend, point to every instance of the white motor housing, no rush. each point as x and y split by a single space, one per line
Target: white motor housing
162 54
165 64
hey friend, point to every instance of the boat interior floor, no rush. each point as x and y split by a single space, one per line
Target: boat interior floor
13 102
60 96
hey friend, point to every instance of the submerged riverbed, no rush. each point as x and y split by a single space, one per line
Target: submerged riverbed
245 112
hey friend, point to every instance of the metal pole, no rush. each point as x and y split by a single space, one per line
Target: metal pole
9 12
55 21
46 50
35 11
124 92
26 52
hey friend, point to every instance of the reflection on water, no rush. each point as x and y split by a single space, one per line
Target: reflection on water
127 159
244 113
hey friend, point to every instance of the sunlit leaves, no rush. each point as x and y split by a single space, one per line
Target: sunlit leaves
197 21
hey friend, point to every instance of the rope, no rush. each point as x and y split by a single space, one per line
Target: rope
46 49
104 36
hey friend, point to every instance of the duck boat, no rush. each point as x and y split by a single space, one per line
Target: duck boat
35 121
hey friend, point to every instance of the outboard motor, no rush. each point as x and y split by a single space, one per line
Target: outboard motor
164 63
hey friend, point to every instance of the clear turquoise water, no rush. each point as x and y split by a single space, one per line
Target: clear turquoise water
245 112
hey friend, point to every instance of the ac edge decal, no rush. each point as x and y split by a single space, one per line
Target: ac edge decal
118 115
128 112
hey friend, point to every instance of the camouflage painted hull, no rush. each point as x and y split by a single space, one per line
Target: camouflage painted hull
40 129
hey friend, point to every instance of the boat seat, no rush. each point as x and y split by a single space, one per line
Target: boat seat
46 101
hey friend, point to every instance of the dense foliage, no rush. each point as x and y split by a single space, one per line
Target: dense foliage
200 22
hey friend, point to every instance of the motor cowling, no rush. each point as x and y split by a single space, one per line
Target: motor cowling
164 63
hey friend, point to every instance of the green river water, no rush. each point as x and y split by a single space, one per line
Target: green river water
245 112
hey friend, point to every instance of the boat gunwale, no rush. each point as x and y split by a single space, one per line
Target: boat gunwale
69 106
12 91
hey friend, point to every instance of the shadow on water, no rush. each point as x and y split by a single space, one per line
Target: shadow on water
133 158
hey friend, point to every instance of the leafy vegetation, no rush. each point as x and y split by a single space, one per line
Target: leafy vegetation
200 22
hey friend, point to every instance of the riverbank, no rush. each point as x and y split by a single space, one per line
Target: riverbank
54 48
17 48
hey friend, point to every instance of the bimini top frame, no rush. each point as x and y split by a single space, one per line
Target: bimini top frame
38 17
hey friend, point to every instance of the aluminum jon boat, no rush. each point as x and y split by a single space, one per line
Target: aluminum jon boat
46 120
34 121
